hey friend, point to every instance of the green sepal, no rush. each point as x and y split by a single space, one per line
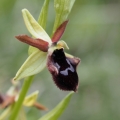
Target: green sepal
31 49
34 64
34 28
57 111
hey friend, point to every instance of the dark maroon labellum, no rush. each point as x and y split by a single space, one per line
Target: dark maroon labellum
66 77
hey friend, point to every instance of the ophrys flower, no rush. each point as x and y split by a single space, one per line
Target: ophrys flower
61 65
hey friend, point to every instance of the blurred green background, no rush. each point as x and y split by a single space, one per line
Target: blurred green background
93 34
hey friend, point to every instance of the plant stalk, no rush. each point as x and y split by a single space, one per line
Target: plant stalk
18 104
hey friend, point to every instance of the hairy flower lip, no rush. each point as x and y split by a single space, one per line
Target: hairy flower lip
63 70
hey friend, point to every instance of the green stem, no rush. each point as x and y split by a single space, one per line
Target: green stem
22 95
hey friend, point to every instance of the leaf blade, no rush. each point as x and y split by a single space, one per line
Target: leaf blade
57 111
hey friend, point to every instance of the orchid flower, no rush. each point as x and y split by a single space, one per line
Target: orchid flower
48 52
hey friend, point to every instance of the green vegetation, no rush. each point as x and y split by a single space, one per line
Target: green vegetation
93 34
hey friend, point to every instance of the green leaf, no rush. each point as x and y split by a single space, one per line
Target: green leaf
30 100
62 9
34 28
57 111
43 14
6 113
35 63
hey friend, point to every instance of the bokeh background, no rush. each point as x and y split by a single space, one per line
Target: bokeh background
93 34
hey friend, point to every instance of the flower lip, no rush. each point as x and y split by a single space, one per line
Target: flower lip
63 70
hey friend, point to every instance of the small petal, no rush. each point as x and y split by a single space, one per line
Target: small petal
33 65
30 100
34 28
59 32
63 70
